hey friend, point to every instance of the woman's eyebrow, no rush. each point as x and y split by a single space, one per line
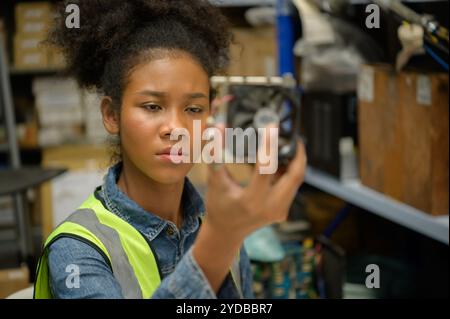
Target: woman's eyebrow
193 96
151 93
190 96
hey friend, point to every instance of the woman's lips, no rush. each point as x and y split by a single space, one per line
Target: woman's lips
165 155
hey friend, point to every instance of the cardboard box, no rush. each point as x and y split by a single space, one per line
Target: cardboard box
31 59
29 52
13 280
26 41
379 117
424 103
33 11
33 27
403 136
254 52
86 166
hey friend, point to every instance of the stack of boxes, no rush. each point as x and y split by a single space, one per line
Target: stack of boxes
60 110
33 21
67 114
95 131
254 52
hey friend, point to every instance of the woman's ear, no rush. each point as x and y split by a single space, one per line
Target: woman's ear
111 120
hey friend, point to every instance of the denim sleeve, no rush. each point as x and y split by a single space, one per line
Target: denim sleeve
246 275
97 281
227 289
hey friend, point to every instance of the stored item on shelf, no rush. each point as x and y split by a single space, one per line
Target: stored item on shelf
58 101
55 84
33 11
33 17
59 135
86 166
33 21
263 245
59 104
424 103
13 280
95 131
253 52
329 121
27 134
33 27
24 41
29 52
31 59
404 135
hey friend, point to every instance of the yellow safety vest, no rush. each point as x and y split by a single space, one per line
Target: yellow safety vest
125 249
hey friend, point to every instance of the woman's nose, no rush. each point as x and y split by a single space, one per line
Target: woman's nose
171 122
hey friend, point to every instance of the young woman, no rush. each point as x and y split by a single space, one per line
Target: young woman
146 233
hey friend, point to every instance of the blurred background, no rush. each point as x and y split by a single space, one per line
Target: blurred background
371 81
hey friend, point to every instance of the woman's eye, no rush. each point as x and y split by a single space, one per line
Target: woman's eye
152 107
195 110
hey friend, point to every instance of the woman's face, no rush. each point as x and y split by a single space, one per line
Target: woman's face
160 96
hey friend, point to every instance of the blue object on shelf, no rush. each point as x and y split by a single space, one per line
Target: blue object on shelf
263 245
286 37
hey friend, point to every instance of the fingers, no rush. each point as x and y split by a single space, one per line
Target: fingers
286 187
267 159
219 179
211 124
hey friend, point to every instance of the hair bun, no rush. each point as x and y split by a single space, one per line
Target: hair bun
106 26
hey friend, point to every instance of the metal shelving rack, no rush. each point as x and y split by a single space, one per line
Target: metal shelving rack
356 193
15 180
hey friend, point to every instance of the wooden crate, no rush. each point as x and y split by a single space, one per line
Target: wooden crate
380 134
425 127
403 134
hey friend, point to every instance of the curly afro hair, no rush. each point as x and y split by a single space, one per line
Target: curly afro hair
116 35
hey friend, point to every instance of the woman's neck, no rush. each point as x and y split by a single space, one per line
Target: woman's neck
163 200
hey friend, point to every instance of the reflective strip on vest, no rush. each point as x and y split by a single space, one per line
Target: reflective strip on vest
121 267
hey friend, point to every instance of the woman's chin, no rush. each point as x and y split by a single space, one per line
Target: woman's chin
169 175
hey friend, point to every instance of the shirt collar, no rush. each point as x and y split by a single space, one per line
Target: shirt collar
146 222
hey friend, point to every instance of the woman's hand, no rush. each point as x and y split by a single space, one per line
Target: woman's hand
233 212
236 211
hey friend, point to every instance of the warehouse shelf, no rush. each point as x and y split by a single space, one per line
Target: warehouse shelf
356 193
405 1
43 71
242 3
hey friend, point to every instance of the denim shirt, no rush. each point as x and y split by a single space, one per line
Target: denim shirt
181 276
